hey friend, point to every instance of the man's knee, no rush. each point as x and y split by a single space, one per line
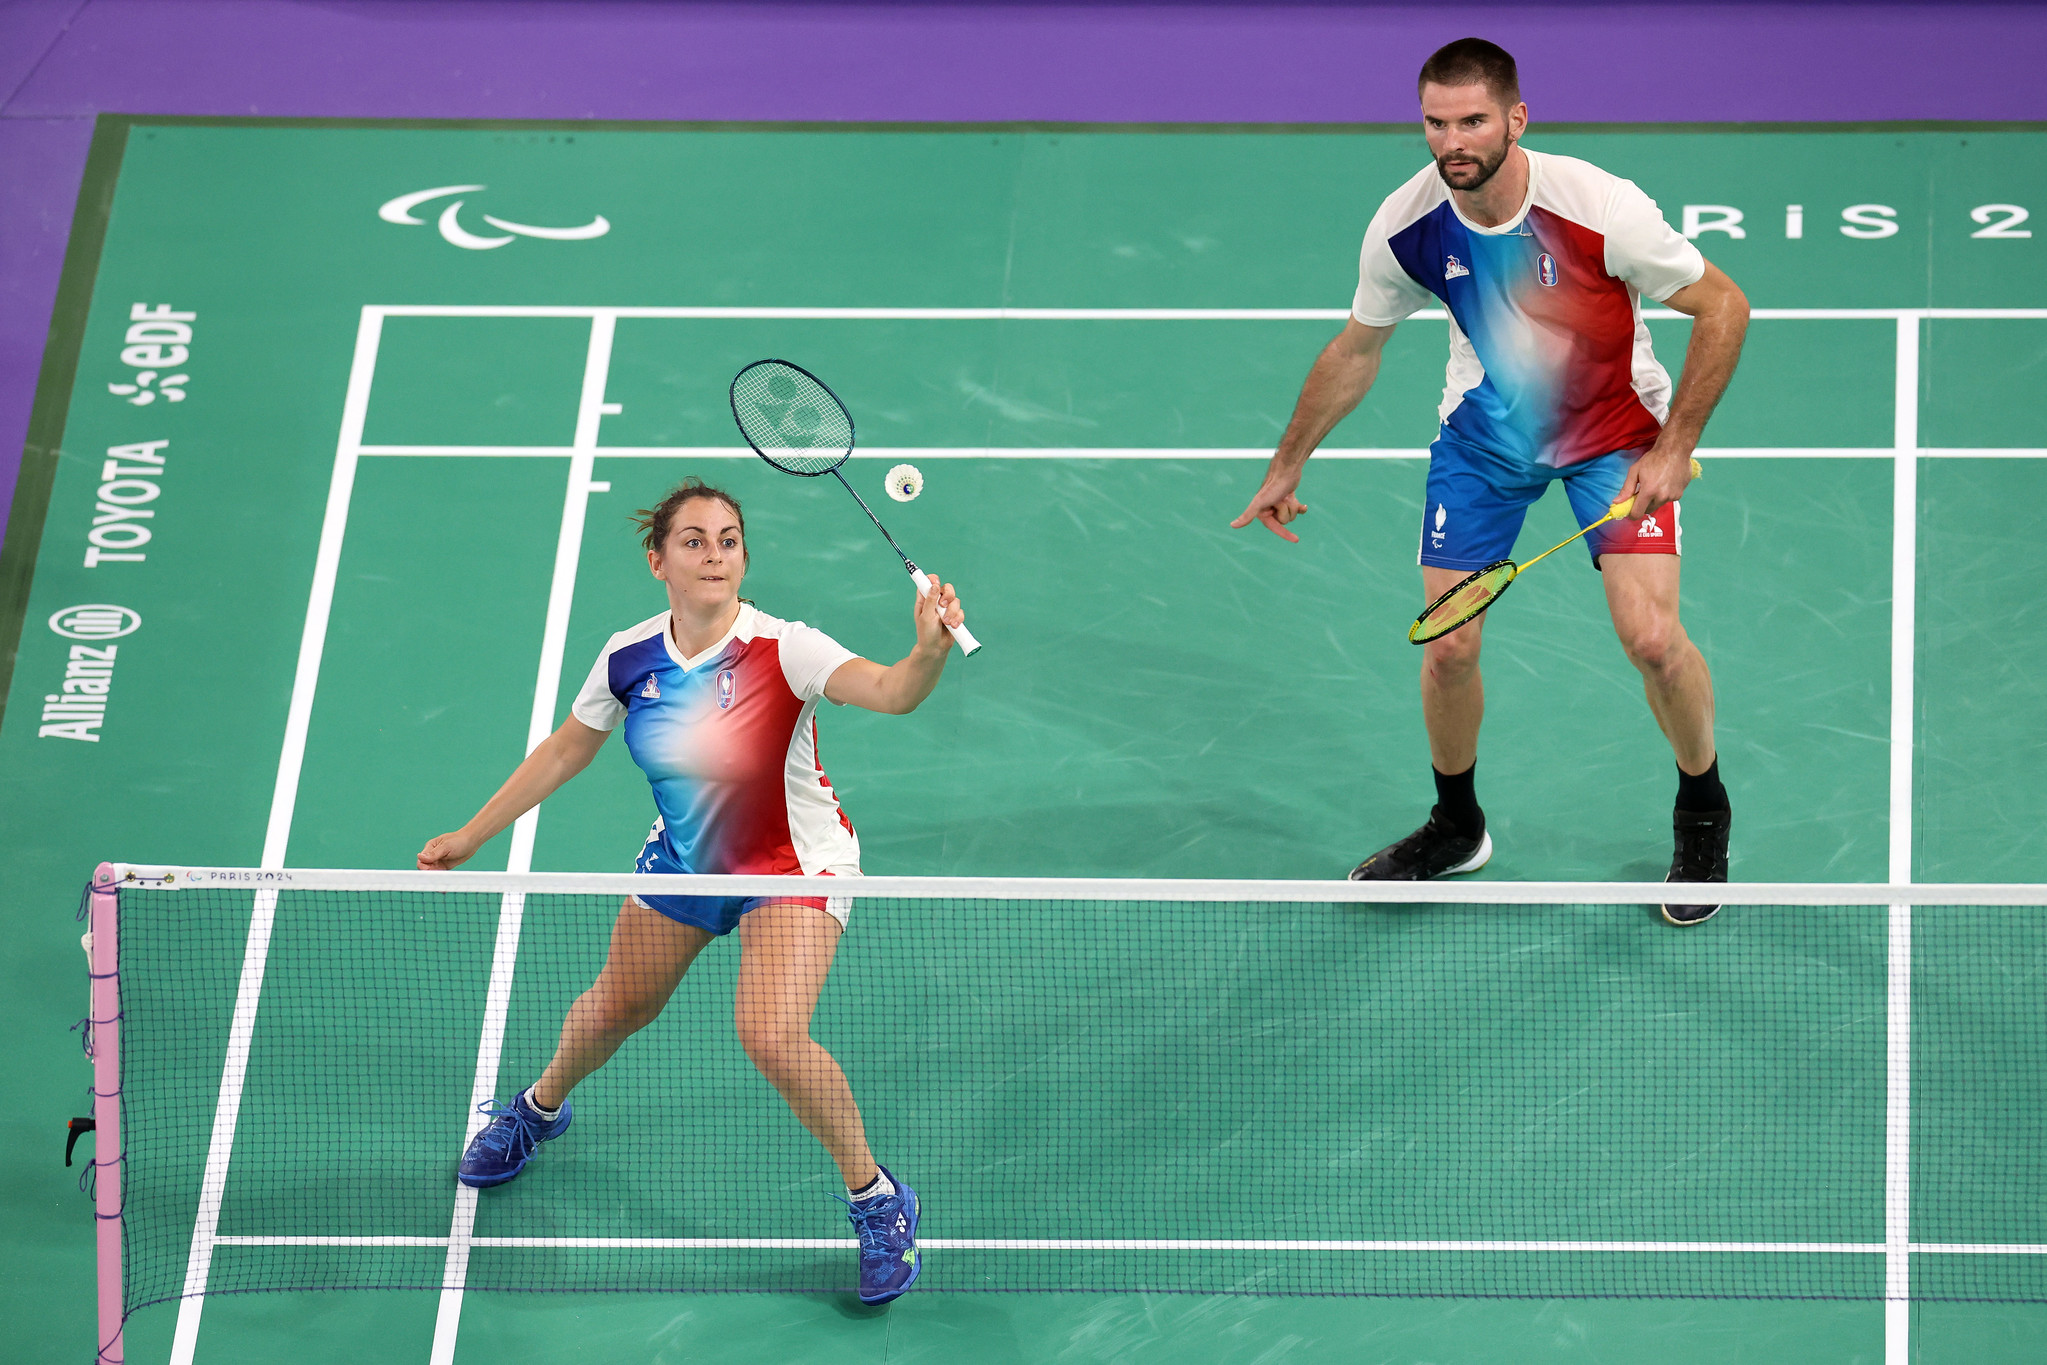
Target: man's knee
1655 646
1452 659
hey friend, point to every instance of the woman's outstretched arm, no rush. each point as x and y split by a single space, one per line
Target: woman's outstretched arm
899 688
553 761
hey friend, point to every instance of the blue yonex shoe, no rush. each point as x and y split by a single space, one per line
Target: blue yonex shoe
508 1141
887 1227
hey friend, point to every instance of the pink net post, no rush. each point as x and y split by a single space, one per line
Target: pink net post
106 1106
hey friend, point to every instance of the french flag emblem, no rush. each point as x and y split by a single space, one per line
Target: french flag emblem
1546 269
727 689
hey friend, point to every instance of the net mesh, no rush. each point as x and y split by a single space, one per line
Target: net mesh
792 420
1463 602
1217 1098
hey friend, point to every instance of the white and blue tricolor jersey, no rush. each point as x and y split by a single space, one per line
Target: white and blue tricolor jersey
729 741
1550 361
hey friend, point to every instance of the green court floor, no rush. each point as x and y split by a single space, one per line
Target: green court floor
1086 339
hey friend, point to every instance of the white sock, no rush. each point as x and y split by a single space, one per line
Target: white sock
549 1114
876 1188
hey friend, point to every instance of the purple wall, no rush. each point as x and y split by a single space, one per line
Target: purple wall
62 61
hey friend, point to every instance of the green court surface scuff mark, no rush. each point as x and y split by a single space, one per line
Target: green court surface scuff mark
1160 696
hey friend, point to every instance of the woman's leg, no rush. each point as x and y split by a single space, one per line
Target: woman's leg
784 952
649 954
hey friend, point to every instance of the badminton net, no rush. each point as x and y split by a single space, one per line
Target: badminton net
1487 1090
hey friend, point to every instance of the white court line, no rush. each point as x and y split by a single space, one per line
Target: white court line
712 314
1898 1002
561 595
1172 452
913 452
297 1239
276 838
497 1005
226 1113
1180 1244
1150 1244
1654 314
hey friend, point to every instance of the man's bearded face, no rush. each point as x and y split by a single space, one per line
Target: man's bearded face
1469 134
1469 167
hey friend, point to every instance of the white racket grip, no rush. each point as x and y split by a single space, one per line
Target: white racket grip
965 638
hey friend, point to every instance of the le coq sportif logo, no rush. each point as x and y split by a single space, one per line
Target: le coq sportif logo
400 211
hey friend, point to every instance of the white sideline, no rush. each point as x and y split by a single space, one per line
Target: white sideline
1898 994
1157 452
1141 1244
686 312
554 636
226 1114
1102 1244
969 1243
277 835
1900 893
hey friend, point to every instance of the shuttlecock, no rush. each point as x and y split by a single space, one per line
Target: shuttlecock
904 482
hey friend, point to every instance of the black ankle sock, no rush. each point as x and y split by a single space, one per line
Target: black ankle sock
1701 793
1457 802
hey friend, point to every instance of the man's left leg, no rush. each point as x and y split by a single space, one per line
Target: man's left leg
1642 594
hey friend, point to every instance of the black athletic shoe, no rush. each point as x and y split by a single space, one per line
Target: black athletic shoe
1701 856
1434 850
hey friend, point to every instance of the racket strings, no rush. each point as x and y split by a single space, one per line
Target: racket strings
792 420
1463 602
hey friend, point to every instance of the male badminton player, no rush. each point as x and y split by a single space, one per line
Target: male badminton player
1542 262
718 700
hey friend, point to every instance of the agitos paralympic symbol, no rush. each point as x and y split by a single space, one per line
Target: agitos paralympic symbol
399 211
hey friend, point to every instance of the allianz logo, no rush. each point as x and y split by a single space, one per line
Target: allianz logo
399 211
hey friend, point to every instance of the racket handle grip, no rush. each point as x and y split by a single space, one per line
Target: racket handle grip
960 634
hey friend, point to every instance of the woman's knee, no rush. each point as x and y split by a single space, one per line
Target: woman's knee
772 1045
615 1011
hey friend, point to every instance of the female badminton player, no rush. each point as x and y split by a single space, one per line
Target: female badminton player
718 700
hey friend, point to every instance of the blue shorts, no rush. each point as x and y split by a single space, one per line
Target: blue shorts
1477 501
716 914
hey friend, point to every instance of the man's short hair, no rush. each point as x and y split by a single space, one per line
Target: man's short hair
1474 61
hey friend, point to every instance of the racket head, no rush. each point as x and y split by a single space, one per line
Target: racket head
1463 603
791 418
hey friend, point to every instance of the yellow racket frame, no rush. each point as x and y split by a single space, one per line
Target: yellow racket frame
1471 596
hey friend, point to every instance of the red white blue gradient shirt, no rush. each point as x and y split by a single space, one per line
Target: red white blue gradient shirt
728 738
1550 361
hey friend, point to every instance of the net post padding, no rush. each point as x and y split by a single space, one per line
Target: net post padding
106 1105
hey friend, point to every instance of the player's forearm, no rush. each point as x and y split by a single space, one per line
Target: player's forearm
1709 366
1718 329
905 684
1339 380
